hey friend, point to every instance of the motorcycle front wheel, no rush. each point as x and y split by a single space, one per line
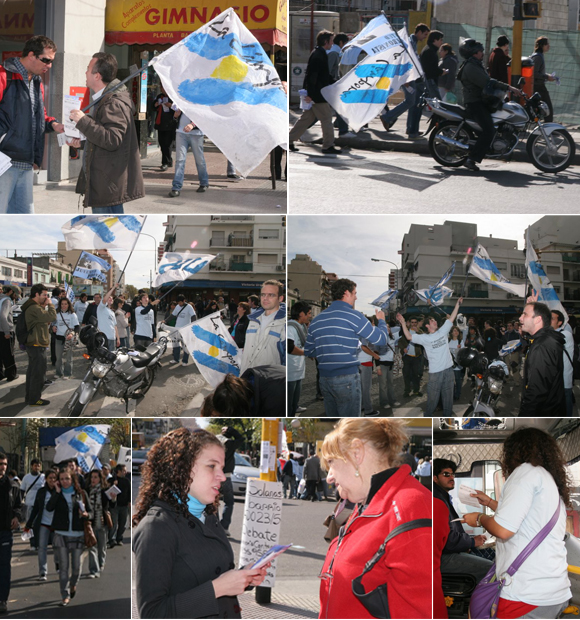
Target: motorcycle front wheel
553 157
469 413
446 154
75 407
148 382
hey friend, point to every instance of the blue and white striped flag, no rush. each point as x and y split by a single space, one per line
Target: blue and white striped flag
70 294
375 37
446 276
91 267
212 348
540 281
223 80
483 267
102 231
435 295
510 347
83 443
178 266
383 300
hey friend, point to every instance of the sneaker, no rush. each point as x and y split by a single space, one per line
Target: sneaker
471 165
173 362
42 578
202 188
41 402
120 543
91 576
331 150
319 397
415 136
386 406
418 393
66 378
163 167
372 414
234 176
396 404
300 409
48 382
185 363
348 134
174 193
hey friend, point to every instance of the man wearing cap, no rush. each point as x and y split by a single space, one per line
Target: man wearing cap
11 294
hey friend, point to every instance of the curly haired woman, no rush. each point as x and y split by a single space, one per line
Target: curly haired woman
184 561
536 486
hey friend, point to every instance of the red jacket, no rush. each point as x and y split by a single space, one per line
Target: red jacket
406 565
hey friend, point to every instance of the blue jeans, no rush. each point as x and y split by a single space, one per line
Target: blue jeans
43 539
111 345
16 191
458 375
342 396
440 385
294 389
183 141
6 541
366 380
176 352
569 395
105 210
124 342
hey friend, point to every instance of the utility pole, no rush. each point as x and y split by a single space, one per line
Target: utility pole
489 27
518 32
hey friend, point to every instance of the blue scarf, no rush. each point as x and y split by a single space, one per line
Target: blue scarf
195 506
68 491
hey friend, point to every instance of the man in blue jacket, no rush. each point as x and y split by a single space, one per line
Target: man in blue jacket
23 122
333 339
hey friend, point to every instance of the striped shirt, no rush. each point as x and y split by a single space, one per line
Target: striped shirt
334 335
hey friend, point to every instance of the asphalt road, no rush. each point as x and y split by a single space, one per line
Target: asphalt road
361 181
106 597
177 390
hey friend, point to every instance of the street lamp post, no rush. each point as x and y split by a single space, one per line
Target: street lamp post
383 260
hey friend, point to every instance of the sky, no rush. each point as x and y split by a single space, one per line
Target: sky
41 233
345 244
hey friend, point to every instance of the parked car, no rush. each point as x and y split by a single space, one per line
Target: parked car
138 458
242 471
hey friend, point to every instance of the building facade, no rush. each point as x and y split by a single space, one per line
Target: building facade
310 282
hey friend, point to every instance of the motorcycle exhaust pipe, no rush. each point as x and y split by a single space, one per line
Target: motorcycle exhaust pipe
454 143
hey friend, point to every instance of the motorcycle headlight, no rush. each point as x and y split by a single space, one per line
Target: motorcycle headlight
494 385
100 370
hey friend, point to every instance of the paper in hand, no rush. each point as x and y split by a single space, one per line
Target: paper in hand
464 494
272 553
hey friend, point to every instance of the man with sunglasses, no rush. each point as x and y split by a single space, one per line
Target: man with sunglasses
457 556
23 122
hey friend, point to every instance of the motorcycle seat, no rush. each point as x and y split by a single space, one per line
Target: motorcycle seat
455 107
141 359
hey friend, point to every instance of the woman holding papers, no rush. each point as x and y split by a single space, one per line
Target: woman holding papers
101 520
184 561
392 509
534 498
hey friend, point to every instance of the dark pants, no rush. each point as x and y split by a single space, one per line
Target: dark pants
311 490
227 490
165 139
480 113
278 152
541 88
53 348
412 372
144 341
35 373
115 519
294 388
7 362
123 511
5 559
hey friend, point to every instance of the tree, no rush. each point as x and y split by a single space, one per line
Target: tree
250 428
130 291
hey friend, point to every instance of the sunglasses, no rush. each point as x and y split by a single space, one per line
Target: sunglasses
46 61
446 474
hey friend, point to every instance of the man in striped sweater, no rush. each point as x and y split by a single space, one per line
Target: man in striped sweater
333 339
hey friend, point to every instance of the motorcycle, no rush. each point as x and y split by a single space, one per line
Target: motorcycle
489 380
125 373
550 147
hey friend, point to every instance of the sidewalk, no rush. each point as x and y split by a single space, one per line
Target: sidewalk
375 138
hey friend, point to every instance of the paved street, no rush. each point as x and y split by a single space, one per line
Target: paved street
414 406
295 594
407 179
176 391
251 195
106 597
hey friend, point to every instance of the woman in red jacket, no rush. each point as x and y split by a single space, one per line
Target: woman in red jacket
361 457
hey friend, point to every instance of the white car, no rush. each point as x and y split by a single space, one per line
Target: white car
242 471
138 458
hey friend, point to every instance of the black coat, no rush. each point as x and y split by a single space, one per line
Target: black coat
317 75
10 503
60 521
458 540
176 559
430 62
269 383
241 327
38 509
543 393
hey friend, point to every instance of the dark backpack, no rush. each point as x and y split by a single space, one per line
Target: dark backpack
21 329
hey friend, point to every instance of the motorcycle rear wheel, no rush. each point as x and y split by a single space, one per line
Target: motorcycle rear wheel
447 155
551 162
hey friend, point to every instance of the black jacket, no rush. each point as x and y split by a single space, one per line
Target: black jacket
176 559
241 327
430 62
36 515
543 393
60 521
269 383
317 75
89 312
458 540
234 441
10 503
124 496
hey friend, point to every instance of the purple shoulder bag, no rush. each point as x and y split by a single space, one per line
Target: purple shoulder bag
485 597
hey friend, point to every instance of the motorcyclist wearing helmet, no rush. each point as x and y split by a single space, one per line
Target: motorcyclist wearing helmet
474 79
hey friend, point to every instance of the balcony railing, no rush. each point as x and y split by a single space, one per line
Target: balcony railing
231 266
232 242
478 294
232 218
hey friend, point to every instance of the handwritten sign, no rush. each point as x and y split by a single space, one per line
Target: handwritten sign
261 526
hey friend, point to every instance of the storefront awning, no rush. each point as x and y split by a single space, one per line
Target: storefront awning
155 22
17 20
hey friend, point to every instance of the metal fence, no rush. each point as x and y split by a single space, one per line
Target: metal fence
563 59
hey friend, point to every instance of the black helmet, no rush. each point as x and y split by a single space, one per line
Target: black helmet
470 47
480 364
465 356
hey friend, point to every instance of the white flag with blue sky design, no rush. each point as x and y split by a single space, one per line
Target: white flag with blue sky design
363 92
91 267
102 231
83 443
435 295
178 266
382 301
212 348
483 267
70 294
223 80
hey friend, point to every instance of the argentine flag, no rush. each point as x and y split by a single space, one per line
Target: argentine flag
178 266
383 300
434 295
102 231
83 443
540 281
483 267
223 80
91 267
70 294
212 348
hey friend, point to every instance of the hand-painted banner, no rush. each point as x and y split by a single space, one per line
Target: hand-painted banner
177 266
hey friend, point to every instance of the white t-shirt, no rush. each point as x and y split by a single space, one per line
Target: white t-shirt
35 482
527 502
185 313
436 347
64 321
107 321
296 363
410 348
454 346
144 323
265 321
81 308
